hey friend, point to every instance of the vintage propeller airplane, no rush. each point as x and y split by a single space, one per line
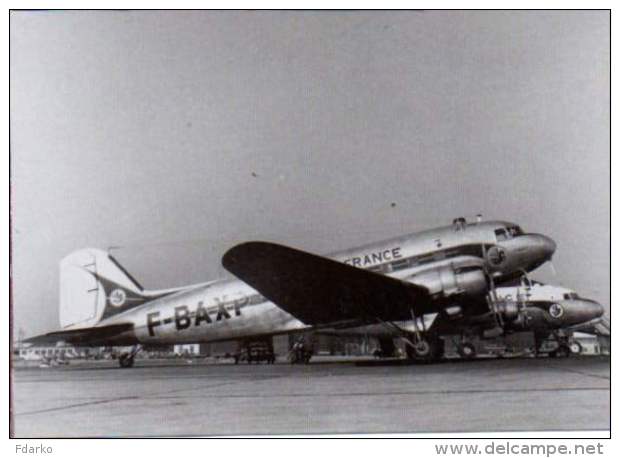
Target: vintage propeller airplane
419 287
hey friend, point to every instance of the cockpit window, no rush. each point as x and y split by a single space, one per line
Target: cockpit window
515 231
501 235
569 296
508 232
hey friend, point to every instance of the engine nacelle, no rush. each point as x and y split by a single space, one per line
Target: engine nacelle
447 281
509 311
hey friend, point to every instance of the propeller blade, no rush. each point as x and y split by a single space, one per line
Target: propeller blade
553 271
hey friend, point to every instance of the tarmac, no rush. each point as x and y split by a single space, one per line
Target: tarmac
178 398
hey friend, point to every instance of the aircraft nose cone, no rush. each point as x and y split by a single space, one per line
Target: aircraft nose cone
583 310
547 246
594 309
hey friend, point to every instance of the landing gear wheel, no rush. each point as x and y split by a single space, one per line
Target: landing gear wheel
425 351
126 360
575 347
422 349
467 350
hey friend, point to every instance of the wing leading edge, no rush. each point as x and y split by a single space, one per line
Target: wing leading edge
321 291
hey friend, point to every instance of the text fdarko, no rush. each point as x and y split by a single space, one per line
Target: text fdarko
33 449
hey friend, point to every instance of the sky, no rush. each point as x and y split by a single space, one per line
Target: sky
172 136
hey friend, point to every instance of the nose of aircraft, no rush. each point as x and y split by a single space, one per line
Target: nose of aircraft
593 309
525 252
545 245
540 248
582 311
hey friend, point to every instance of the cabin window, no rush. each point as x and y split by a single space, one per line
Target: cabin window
439 256
426 259
401 264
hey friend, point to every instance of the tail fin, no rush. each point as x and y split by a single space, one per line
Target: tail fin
94 286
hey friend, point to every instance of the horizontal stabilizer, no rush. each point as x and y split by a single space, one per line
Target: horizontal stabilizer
320 291
97 336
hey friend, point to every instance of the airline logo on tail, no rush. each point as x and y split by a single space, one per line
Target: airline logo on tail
117 297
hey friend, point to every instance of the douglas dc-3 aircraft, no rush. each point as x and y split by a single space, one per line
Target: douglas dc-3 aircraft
418 287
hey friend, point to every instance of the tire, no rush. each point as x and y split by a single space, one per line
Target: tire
467 351
426 351
422 349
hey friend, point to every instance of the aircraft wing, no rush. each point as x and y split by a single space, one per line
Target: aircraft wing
320 291
85 336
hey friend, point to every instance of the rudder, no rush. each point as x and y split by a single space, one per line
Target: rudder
94 286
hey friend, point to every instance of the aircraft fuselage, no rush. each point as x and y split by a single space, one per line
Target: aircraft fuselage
230 309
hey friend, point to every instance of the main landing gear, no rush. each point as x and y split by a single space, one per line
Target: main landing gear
126 360
425 349
432 349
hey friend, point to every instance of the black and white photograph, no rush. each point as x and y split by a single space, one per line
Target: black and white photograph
309 223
